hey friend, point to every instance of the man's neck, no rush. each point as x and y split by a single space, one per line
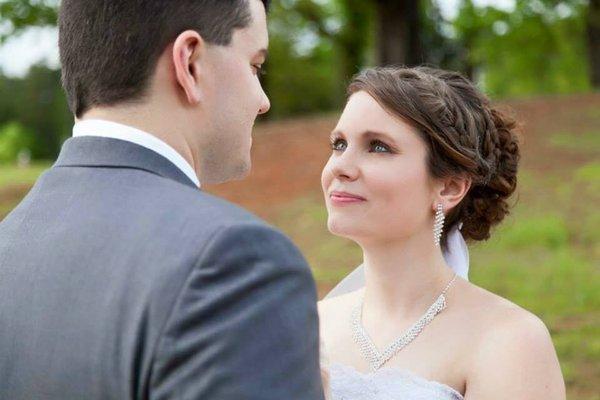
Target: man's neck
153 123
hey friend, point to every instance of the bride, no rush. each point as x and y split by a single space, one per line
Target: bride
420 163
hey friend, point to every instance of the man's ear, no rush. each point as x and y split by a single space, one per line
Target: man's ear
188 50
451 191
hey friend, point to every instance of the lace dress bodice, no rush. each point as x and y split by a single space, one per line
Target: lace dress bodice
346 383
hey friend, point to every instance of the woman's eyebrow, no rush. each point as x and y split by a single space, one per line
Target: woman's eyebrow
378 135
368 134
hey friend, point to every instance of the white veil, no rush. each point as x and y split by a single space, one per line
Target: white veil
457 257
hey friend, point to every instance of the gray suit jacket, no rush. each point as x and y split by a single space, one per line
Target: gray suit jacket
119 279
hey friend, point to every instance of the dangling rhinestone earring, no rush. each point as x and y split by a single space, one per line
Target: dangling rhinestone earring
438 226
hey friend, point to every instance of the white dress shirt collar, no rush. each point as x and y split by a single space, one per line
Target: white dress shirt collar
108 129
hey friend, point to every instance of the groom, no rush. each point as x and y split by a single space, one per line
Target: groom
119 278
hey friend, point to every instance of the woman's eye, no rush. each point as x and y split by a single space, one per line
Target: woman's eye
379 147
338 145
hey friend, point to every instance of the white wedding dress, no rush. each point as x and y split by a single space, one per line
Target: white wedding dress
390 383
387 383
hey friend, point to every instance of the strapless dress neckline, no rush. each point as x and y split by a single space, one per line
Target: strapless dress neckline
348 383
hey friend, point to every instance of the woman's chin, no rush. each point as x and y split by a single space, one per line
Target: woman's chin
345 228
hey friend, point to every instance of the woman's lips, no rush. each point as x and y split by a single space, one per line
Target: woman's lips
342 198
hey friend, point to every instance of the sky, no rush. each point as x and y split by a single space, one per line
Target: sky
41 44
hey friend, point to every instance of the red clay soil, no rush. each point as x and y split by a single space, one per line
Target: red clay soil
287 159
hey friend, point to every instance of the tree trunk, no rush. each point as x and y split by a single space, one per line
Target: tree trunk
593 34
354 37
399 25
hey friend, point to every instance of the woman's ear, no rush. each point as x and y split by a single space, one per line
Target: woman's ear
188 50
451 191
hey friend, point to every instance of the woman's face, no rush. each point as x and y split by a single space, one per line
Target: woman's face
376 183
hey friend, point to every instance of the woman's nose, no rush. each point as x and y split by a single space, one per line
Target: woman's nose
345 166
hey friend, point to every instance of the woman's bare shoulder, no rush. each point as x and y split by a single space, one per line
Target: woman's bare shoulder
490 315
500 317
480 302
509 340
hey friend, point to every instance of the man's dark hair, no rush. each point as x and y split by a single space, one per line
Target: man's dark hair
110 48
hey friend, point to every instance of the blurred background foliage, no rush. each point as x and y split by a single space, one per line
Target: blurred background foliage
538 47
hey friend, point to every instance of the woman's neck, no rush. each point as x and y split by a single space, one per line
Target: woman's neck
403 278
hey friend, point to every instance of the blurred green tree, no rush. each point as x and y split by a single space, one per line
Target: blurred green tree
14 139
39 105
346 24
539 47
18 15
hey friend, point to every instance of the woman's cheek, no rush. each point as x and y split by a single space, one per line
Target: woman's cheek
394 196
326 177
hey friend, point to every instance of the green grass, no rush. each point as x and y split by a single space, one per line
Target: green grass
13 175
593 114
589 174
543 231
588 141
15 182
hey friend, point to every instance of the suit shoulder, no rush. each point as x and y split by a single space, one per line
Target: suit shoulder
252 243
200 205
229 225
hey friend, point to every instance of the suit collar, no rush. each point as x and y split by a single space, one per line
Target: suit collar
92 151
111 129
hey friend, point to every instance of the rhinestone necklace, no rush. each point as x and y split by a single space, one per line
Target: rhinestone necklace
368 349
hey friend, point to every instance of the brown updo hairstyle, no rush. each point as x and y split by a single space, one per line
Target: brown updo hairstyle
464 134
